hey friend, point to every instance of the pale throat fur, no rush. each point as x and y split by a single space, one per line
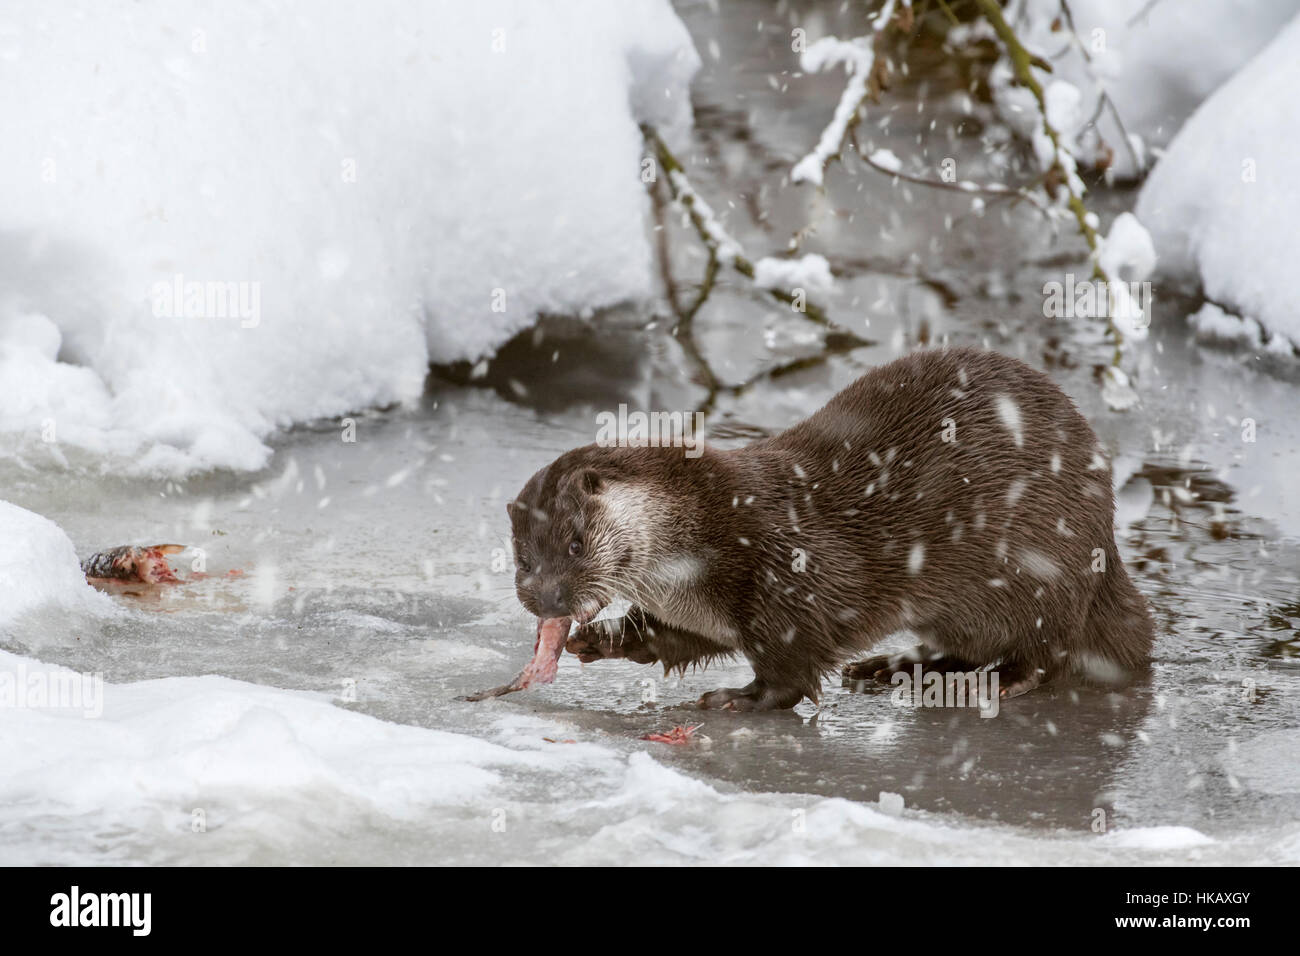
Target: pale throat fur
671 585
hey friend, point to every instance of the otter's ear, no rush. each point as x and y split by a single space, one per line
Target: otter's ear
584 482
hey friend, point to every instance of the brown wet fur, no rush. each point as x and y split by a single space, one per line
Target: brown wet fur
979 545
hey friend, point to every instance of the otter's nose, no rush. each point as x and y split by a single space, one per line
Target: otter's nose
553 601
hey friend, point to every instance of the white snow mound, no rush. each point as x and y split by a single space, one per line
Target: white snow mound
208 769
1222 204
243 216
39 571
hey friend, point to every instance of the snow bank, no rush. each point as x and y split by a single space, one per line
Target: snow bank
1223 203
1214 326
207 769
190 739
39 572
245 216
163 761
1156 61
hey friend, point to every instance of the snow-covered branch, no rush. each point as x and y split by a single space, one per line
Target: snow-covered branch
724 249
1056 160
860 57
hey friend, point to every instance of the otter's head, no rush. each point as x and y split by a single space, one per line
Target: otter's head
572 538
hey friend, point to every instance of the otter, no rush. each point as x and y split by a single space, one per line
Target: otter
957 494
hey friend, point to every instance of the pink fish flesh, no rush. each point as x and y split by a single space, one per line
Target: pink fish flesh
551 634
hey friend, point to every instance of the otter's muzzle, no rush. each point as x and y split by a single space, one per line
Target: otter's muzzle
552 601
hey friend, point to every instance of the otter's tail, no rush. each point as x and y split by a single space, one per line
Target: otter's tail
1118 633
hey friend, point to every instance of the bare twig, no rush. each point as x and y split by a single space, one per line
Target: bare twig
952 17
1063 165
1103 96
840 345
706 287
965 186
1142 13
657 205
720 245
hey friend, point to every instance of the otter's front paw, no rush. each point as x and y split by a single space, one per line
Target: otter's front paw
606 640
753 696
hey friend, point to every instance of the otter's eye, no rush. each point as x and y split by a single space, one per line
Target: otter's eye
575 547
523 565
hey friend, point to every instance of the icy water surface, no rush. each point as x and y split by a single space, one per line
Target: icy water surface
372 571
370 565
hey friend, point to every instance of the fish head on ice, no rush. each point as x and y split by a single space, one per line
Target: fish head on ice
143 563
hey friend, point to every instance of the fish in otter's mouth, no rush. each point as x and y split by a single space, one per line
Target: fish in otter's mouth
551 635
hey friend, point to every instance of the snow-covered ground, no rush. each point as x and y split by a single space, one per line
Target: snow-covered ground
1223 204
243 218
214 770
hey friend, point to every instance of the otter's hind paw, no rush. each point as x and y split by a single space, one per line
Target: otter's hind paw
883 667
753 696
1016 678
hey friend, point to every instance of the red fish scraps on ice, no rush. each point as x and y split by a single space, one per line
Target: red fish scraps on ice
678 735
145 563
